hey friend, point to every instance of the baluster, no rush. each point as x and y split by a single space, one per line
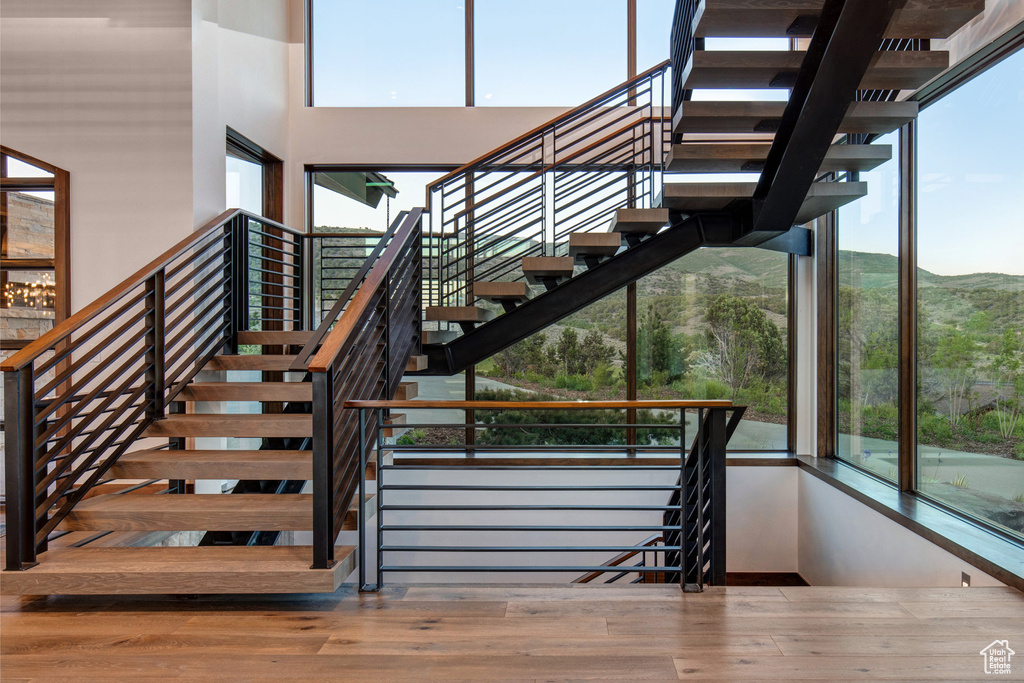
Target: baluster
323 469
20 468
717 455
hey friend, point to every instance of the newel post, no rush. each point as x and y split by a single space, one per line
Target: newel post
20 469
323 470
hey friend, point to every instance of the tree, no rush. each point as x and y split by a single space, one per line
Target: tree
745 344
953 367
1006 369
660 352
567 350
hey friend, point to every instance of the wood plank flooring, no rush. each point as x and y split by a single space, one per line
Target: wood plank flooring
528 633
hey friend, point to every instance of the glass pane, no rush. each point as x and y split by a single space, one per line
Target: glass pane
971 298
541 53
713 325
867 325
19 169
244 185
403 53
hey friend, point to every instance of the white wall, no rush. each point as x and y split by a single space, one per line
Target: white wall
761 534
240 79
102 89
845 543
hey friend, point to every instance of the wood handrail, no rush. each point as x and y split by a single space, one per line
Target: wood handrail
548 124
539 405
622 557
349 320
61 331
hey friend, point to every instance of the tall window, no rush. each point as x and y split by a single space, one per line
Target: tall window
401 53
867 325
970 451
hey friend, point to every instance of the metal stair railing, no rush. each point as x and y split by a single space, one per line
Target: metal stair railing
567 175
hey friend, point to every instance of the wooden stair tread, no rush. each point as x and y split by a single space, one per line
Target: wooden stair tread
438 336
537 268
201 512
501 291
178 569
594 244
214 464
822 197
889 70
772 18
265 363
737 157
458 314
183 512
723 116
416 363
246 425
407 391
646 221
275 337
247 391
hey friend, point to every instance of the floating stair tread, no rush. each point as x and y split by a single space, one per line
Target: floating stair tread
822 197
247 391
185 512
438 336
417 364
594 244
646 221
501 291
736 157
395 419
772 18
265 363
214 464
188 570
889 70
537 267
458 314
275 337
407 391
760 117
213 424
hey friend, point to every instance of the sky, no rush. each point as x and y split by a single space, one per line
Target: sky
563 52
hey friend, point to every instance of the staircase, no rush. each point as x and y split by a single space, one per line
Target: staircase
578 208
500 297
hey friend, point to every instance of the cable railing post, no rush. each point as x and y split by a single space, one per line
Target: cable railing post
323 469
20 469
155 351
243 271
379 434
232 287
716 457
300 277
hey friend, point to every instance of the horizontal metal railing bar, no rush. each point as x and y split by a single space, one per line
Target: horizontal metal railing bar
518 568
620 508
276 273
520 527
540 448
281 238
528 548
539 487
538 405
517 468
539 425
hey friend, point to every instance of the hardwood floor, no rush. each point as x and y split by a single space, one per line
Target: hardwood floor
529 633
